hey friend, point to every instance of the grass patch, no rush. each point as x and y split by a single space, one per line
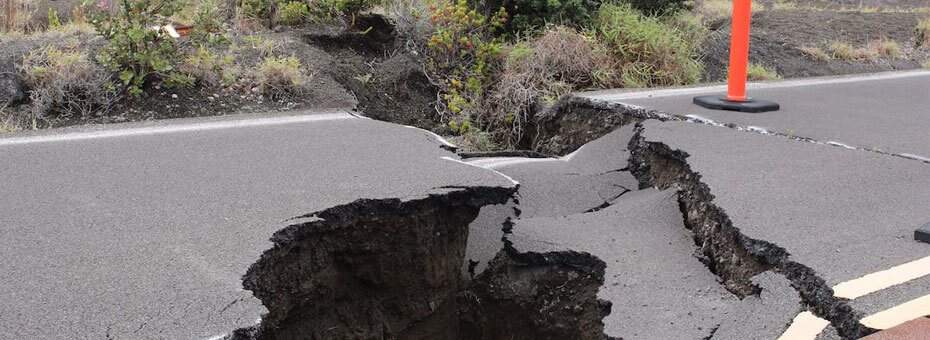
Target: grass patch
844 51
757 72
925 64
815 52
885 48
282 76
648 51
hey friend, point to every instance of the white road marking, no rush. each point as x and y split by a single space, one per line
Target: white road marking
880 280
615 96
173 128
438 137
899 314
805 326
495 171
871 283
491 163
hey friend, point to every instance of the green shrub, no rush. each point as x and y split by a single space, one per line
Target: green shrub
133 49
293 13
282 76
531 16
922 33
207 26
258 9
462 54
648 52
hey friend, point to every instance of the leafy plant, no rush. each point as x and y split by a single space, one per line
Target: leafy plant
293 13
533 15
462 53
207 28
133 49
258 9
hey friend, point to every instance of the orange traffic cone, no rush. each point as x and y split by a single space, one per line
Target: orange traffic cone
736 99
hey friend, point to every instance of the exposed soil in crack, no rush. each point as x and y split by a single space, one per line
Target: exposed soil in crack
728 253
391 269
574 121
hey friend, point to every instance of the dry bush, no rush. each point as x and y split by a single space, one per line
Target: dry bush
66 83
278 77
844 51
560 61
815 52
922 33
885 48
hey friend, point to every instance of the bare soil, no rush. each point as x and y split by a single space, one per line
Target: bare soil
778 35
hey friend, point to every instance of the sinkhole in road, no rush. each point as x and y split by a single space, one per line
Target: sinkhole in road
392 269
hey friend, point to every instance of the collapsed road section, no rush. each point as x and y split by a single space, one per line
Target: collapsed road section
801 216
390 268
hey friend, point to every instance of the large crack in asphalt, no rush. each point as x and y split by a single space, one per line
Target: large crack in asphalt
391 268
728 253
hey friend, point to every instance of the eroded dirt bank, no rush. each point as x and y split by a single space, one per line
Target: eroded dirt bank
390 269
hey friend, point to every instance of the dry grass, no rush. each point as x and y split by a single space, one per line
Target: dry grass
562 60
884 48
922 33
66 83
756 72
278 77
844 51
925 64
815 52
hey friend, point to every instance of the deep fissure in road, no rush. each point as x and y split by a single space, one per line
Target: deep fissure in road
728 253
392 269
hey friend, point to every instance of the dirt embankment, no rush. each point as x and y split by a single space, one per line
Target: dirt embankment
777 37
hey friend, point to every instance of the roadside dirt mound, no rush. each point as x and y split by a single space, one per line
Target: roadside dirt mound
778 35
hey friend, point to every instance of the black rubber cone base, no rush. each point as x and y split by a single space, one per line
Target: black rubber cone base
750 105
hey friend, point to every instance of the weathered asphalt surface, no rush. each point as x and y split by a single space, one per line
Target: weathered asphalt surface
886 112
145 235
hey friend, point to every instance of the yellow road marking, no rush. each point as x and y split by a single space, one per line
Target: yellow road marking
880 280
804 326
899 314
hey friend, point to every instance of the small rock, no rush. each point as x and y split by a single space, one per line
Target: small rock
174 96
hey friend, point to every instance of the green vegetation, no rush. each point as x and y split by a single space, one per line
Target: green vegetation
532 16
134 50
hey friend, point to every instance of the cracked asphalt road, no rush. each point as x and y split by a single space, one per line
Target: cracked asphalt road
143 231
